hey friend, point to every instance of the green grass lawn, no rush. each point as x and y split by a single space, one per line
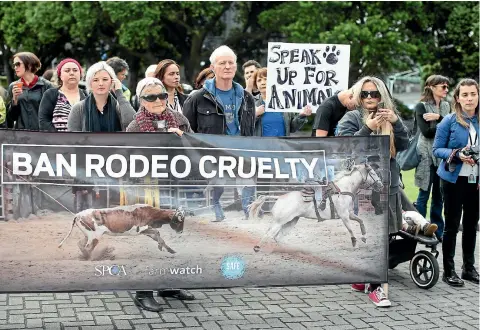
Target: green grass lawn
410 189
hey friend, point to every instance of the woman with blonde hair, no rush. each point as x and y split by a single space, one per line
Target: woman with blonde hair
101 111
456 143
376 114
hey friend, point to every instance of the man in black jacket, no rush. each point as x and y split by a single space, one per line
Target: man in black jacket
222 107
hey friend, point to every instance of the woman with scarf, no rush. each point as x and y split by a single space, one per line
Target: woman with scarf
456 143
168 72
154 116
57 103
101 111
429 112
25 94
372 118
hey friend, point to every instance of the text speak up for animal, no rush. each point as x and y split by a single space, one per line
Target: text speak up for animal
160 166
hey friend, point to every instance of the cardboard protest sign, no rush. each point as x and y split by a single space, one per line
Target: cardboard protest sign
301 74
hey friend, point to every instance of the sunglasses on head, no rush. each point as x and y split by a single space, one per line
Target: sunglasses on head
17 64
373 94
153 97
444 87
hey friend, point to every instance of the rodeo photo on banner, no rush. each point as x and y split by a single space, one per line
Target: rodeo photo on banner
150 205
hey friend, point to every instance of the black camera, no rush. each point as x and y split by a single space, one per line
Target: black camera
472 153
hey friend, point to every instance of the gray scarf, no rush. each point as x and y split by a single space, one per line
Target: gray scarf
425 145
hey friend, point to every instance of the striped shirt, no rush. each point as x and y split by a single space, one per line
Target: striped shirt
60 112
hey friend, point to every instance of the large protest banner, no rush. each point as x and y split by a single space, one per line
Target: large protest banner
121 243
301 74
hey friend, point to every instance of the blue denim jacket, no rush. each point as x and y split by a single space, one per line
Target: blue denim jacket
451 135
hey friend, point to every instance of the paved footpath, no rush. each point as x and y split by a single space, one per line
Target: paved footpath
315 307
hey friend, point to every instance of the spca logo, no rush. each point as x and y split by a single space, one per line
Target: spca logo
113 270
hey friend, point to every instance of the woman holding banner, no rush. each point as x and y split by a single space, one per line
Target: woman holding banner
154 116
373 118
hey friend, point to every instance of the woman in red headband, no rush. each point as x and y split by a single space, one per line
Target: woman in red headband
57 103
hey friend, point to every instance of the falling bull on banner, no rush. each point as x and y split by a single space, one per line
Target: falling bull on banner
149 221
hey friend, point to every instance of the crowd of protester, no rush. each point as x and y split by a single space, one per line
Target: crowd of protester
219 105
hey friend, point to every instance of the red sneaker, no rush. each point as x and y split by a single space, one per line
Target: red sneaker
379 298
360 288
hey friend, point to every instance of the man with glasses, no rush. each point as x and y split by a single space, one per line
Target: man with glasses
221 107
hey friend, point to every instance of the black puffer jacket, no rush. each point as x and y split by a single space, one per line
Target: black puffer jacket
206 114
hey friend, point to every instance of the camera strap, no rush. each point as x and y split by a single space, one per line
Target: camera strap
471 133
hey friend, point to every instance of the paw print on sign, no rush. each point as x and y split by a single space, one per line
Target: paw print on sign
331 56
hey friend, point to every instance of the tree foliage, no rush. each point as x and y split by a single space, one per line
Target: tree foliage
385 37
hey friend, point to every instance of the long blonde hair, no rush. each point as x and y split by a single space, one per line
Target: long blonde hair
457 106
385 98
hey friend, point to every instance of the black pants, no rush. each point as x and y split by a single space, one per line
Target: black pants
458 196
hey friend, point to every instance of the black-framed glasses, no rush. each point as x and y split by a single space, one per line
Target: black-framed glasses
17 64
154 97
444 87
373 94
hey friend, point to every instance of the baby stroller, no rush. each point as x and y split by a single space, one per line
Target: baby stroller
424 269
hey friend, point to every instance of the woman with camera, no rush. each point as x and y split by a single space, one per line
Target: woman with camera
456 143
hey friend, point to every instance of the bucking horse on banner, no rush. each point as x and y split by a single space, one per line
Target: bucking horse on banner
290 207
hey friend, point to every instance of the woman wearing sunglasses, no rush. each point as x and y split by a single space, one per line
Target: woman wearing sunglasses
456 143
154 115
101 111
376 114
25 94
429 112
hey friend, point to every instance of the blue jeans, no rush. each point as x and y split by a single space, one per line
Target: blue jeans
217 207
247 198
436 206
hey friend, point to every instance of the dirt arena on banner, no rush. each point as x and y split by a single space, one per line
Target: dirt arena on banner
312 253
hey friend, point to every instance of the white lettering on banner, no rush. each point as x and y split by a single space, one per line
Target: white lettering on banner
133 166
201 167
97 167
123 169
21 160
223 167
156 166
301 74
173 167
160 166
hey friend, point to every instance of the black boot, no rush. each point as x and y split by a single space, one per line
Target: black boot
145 300
176 293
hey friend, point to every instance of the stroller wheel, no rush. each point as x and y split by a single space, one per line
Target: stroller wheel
424 269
